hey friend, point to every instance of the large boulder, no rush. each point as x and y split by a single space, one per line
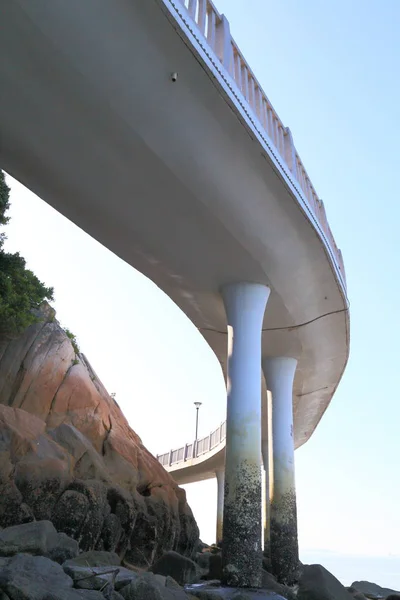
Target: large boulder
33 577
153 587
68 455
38 538
96 578
182 569
372 590
94 558
316 583
269 583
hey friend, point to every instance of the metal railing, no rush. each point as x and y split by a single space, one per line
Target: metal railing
214 28
194 449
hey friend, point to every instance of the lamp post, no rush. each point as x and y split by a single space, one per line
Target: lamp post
197 405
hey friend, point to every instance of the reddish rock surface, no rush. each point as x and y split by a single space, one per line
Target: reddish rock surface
67 454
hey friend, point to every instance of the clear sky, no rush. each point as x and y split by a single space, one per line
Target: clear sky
331 70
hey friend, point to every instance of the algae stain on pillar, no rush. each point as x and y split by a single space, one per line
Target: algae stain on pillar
220 474
241 549
284 540
279 374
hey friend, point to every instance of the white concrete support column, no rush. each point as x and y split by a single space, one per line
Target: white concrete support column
279 375
241 548
266 448
220 474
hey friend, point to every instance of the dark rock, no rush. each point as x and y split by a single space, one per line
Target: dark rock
178 591
215 567
125 509
13 510
33 538
64 548
143 541
114 596
356 595
143 588
111 532
70 512
210 564
94 558
38 538
34 578
88 595
95 578
203 560
269 583
165 523
316 583
189 533
372 590
41 477
182 569
97 508
147 586
171 583
92 523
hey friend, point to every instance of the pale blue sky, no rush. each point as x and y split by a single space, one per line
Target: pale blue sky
331 70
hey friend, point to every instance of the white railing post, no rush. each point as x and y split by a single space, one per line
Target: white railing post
223 44
201 22
185 452
290 152
341 264
170 458
192 8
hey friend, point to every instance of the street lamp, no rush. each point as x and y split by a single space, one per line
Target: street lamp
197 405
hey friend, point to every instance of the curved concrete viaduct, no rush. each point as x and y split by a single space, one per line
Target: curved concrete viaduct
143 124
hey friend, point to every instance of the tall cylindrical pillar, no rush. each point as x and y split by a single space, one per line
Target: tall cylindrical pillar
279 375
241 549
220 474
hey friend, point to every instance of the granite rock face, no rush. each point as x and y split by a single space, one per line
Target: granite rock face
69 456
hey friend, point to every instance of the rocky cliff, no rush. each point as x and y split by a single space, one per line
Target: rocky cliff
68 455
